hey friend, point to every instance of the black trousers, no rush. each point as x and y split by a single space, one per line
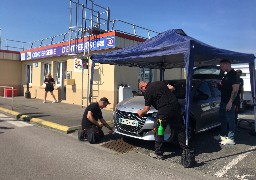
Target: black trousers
175 121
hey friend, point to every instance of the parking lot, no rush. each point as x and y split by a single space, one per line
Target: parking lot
231 162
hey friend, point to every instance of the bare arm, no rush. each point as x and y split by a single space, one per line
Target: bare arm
234 92
105 124
233 96
143 111
92 120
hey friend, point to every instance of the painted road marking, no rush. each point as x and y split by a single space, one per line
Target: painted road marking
13 121
5 117
234 162
19 123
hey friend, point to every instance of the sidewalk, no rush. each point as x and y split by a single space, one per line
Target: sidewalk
67 117
60 116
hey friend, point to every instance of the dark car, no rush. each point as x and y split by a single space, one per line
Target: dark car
203 112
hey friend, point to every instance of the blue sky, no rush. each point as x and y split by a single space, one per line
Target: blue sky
228 24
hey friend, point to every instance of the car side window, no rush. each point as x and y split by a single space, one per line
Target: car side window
216 92
204 88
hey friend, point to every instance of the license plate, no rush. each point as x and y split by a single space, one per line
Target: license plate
128 122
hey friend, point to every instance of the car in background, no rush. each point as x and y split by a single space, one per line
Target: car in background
203 112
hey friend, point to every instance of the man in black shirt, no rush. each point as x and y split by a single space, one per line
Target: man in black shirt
160 96
240 94
229 87
92 114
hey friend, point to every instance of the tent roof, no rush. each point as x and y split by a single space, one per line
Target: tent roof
169 49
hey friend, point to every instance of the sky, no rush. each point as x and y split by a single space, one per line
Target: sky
227 24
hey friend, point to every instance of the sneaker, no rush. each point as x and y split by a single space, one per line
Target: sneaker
228 141
220 138
156 156
54 101
44 101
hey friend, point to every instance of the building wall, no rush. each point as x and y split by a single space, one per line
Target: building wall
106 79
10 68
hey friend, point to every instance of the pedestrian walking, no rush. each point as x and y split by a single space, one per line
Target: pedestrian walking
49 87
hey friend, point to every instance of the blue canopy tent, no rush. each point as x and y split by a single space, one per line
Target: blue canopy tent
173 49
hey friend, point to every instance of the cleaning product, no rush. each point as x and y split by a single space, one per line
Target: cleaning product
160 130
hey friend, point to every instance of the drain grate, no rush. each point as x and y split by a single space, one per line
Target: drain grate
119 145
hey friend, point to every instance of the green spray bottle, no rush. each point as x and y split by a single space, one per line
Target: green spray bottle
160 130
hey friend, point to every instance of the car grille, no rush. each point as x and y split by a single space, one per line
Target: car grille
127 129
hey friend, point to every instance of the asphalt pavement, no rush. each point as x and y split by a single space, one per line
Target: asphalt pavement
233 162
60 116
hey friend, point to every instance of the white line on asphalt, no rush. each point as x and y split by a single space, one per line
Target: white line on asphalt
3 115
235 161
6 118
19 123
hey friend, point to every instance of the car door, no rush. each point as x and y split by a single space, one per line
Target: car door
215 103
203 106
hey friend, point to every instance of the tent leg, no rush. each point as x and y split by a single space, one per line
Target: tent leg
253 132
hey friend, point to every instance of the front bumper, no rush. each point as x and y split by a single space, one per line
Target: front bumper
143 130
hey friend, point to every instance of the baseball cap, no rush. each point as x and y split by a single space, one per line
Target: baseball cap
105 100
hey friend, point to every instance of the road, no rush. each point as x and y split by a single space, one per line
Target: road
31 152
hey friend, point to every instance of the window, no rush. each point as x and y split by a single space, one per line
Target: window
46 69
58 74
29 74
204 89
61 68
216 91
145 74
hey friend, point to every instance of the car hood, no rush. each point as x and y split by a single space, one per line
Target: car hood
135 103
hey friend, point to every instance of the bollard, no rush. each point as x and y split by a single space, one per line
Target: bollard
27 93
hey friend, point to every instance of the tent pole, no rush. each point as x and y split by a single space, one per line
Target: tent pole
189 64
162 74
253 133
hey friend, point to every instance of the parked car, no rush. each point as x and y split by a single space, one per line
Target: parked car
203 112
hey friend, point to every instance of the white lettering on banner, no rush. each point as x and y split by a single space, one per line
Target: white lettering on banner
86 44
80 47
64 50
50 52
72 48
93 44
36 54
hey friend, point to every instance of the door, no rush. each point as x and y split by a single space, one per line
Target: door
203 106
61 68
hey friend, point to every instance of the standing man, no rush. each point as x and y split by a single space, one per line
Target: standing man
90 124
159 95
229 88
240 93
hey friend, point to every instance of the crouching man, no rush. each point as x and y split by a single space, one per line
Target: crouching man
91 128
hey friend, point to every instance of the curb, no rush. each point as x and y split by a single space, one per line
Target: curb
39 121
